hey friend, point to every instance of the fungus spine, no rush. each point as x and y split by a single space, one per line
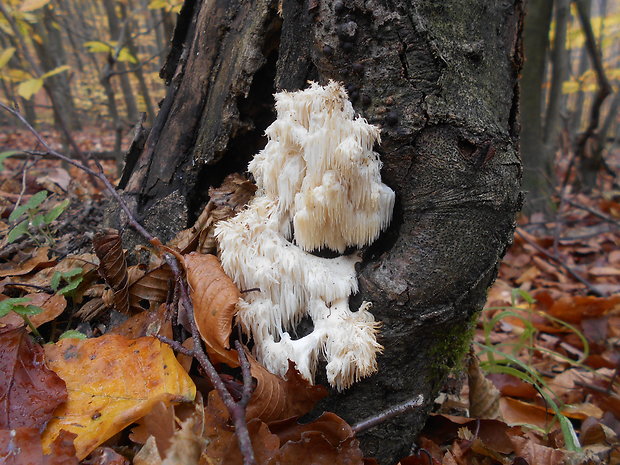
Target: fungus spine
319 186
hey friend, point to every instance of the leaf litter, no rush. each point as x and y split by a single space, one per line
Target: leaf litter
126 387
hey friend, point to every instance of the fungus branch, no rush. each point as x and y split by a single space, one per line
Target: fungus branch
236 409
319 186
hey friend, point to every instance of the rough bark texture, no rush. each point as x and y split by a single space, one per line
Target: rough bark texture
440 78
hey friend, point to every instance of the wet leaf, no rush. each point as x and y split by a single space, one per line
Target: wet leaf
22 446
29 391
124 379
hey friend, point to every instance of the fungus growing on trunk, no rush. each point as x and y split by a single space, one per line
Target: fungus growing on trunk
319 186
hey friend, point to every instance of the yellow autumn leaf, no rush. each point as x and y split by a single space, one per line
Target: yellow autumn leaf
30 87
31 5
6 55
126 55
55 71
112 381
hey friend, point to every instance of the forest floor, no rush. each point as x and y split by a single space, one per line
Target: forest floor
540 386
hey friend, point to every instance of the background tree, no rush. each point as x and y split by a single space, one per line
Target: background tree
441 81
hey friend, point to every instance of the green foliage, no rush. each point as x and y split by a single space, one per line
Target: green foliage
33 220
71 278
20 306
72 334
502 357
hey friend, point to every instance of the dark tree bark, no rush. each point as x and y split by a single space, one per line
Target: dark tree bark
537 164
440 78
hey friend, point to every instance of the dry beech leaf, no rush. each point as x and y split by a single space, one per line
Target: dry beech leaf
512 386
215 297
328 440
225 202
52 305
37 261
22 446
186 445
516 412
573 309
159 423
29 391
106 456
483 395
536 454
113 266
152 286
112 381
145 323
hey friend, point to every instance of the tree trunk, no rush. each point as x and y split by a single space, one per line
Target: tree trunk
440 78
537 166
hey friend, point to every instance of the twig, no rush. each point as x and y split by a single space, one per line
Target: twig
597 213
557 260
388 414
47 290
236 409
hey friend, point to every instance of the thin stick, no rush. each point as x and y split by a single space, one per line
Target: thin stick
387 414
557 260
597 213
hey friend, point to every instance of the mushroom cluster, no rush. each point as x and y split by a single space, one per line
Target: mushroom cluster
319 187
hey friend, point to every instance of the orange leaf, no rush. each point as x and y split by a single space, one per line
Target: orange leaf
574 309
52 305
112 381
215 297
37 261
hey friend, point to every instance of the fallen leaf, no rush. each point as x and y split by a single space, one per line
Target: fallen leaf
22 446
112 382
483 395
152 287
512 386
517 412
52 305
55 180
29 391
574 309
37 261
536 454
106 456
113 266
215 298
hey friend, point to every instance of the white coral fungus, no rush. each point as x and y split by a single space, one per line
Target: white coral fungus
319 186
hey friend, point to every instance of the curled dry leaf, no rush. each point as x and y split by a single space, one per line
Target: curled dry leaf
52 305
483 395
152 286
113 266
225 202
112 381
29 391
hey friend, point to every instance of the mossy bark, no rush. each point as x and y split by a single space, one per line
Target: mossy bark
440 78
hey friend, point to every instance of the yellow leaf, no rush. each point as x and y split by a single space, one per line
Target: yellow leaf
30 87
6 55
55 71
112 381
96 46
156 4
15 75
125 55
30 5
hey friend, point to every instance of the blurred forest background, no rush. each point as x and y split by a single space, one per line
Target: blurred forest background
75 65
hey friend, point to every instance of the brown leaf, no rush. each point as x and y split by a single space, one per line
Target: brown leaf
105 456
512 386
574 309
113 266
52 305
536 454
215 297
158 423
152 286
36 261
145 323
517 412
276 399
29 391
483 395
225 202
22 446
